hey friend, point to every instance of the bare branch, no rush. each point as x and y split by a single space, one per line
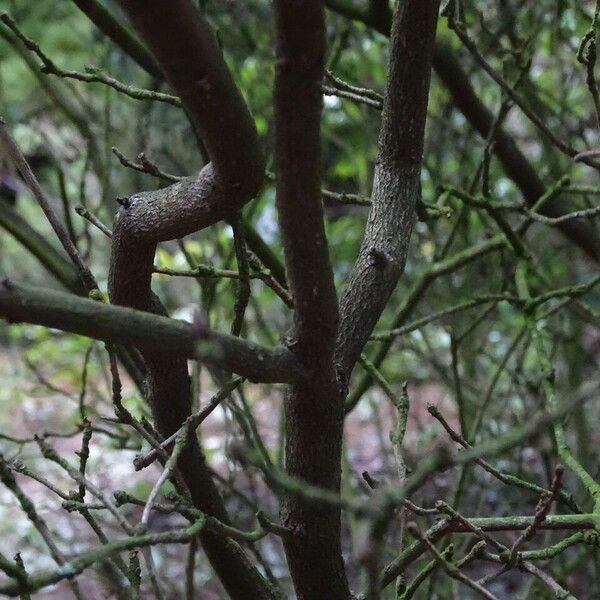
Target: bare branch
118 324
312 452
396 188
92 74
195 420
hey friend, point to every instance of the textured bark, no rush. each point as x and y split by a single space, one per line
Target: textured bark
113 29
397 178
116 324
188 55
313 408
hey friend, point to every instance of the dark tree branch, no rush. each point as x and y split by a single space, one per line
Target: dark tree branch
59 310
189 56
396 187
314 408
112 28
151 217
298 100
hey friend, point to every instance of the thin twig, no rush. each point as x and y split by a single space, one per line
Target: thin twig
145 166
94 220
193 422
181 441
92 74
506 478
541 511
451 569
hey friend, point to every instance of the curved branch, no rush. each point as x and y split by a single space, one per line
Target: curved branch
113 29
188 54
148 218
174 32
190 58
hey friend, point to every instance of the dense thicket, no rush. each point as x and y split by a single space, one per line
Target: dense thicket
320 281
